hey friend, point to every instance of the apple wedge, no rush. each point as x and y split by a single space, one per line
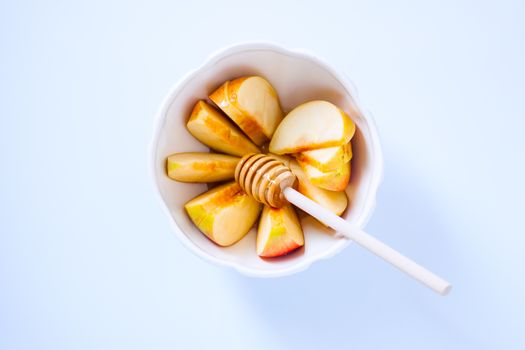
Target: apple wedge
336 202
214 130
252 103
312 125
279 232
327 159
201 167
224 214
334 180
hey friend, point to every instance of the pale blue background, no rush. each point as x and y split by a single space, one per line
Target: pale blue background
88 261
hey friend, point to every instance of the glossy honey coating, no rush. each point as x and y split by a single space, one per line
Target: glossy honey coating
264 178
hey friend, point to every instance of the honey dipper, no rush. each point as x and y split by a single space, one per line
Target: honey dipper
271 182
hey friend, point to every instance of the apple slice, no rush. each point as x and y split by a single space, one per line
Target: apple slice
224 214
331 200
312 125
201 167
214 130
279 232
253 104
334 180
327 159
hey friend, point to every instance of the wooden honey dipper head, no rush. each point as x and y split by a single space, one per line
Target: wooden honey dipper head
264 178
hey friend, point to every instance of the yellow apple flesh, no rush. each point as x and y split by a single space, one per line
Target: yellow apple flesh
312 125
224 214
327 159
252 103
334 180
214 130
201 167
279 232
334 201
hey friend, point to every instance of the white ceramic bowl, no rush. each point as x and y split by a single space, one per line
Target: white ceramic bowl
298 76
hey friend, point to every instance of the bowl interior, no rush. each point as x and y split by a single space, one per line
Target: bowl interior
297 78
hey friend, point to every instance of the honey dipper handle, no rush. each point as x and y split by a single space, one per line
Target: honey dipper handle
377 247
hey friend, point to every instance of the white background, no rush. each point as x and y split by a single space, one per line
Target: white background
87 259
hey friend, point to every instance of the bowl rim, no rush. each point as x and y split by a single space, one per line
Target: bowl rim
376 177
